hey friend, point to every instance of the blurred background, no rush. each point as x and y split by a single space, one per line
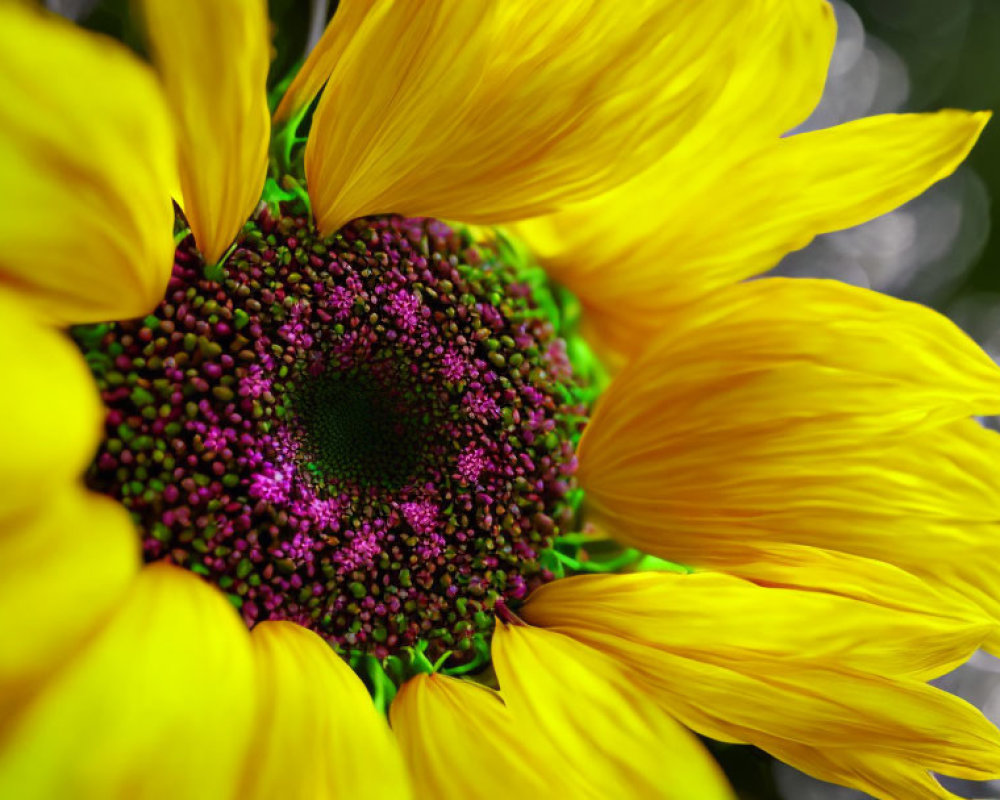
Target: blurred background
891 55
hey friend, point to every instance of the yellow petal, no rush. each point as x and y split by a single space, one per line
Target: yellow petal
689 226
486 110
459 740
878 775
781 63
88 154
780 69
954 610
213 59
50 411
65 568
717 616
158 704
929 503
777 412
323 59
809 413
317 733
610 741
802 675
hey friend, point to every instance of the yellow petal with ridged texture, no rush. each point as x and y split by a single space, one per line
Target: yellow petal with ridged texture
88 157
878 775
780 66
810 413
486 110
607 739
756 406
860 635
317 733
50 410
945 607
806 676
158 704
65 567
929 503
213 59
758 104
680 230
458 739
321 61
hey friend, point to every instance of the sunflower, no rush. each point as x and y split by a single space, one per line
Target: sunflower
348 455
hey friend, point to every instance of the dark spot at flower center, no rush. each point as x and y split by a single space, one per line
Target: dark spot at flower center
360 429
370 434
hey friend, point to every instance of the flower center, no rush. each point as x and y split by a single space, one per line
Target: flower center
361 429
369 434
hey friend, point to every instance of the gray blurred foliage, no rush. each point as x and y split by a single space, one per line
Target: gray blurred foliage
71 9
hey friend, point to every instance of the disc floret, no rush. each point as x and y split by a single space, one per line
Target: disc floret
368 434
